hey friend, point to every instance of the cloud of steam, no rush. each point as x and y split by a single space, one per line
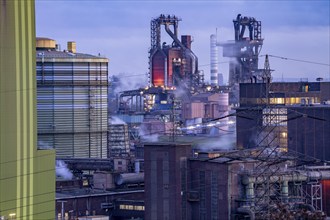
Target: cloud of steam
146 135
62 170
129 81
223 142
44 146
116 121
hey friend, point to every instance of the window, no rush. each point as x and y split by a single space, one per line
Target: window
274 116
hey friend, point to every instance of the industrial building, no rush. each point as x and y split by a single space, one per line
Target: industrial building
111 187
244 53
27 173
176 64
238 184
72 91
296 117
166 180
278 171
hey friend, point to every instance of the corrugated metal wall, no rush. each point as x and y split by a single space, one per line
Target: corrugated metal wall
72 108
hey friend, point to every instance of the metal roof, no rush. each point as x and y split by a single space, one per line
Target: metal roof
46 54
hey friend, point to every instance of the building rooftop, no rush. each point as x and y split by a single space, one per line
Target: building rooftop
88 192
64 54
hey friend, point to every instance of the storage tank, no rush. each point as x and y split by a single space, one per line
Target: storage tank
129 178
43 43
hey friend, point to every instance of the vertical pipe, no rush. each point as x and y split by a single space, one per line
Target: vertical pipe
137 166
165 72
250 192
136 103
214 60
285 191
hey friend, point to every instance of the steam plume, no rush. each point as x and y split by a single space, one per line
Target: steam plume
62 170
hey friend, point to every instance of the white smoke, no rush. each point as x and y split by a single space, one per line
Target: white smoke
62 170
181 91
224 142
44 146
116 121
130 81
147 136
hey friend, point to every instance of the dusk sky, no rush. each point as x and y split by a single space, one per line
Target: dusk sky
120 30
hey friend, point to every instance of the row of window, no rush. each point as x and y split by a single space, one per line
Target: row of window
132 207
281 100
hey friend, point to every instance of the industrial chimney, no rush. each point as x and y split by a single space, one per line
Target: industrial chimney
214 60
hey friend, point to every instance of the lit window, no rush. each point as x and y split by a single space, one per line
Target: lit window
139 207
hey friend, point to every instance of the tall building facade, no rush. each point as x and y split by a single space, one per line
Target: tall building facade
166 184
296 119
27 174
72 101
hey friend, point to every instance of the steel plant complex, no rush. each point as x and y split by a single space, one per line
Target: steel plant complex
176 148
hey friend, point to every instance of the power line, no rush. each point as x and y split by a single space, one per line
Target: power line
297 60
27 158
127 76
209 64
25 197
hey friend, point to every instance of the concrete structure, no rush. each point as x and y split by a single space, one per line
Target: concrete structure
238 184
27 174
72 101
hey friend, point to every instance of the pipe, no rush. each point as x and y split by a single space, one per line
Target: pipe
250 193
285 191
126 178
246 210
317 167
297 176
178 42
137 166
306 206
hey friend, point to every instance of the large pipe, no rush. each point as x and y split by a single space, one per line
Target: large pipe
285 191
296 176
126 178
178 42
214 60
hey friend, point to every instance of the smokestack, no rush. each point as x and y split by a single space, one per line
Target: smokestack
186 40
214 60
72 47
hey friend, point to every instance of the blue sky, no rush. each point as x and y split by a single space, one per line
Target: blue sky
120 30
